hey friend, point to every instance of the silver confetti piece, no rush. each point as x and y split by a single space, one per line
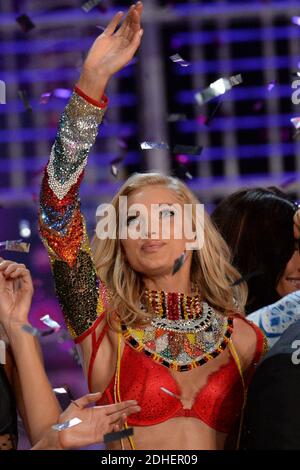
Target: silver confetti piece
88 6
60 390
114 170
47 320
296 122
67 424
154 146
179 263
15 245
217 88
168 392
178 59
176 117
236 80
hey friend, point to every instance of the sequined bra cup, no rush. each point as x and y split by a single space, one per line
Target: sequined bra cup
151 352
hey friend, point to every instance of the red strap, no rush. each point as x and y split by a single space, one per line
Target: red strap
95 347
102 104
84 335
259 345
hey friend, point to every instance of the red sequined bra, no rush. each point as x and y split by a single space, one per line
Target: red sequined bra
218 404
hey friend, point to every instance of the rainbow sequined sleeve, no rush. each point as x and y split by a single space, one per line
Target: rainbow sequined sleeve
61 222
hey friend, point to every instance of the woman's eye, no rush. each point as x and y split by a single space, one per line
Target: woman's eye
131 220
167 213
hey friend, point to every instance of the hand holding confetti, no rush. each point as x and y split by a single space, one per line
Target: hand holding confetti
111 51
81 425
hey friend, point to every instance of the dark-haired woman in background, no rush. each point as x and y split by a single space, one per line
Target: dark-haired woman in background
261 226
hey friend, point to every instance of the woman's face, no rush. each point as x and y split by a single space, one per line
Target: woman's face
155 250
290 281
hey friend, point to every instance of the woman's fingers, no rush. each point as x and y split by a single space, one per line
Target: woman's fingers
15 270
18 272
5 263
124 26
134 43
116 417
111 27
88 399
116 407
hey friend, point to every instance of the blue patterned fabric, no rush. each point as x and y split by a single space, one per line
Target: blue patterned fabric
274 319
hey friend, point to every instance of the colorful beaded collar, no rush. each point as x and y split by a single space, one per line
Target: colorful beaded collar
184 332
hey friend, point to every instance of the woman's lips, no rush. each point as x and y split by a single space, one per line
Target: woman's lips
152 247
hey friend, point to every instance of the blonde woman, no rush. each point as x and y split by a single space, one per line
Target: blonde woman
173 342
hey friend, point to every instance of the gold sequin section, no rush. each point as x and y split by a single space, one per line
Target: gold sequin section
77 289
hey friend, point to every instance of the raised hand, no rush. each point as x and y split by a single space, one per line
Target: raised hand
111 51
96 421
16 292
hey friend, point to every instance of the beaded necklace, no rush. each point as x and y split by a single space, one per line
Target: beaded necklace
183 331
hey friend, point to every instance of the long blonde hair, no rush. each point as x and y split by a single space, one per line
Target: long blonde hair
211 269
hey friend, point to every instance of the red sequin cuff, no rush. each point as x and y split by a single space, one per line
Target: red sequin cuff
99 104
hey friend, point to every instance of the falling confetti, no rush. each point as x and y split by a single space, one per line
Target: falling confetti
114 170
67 424
15 245
47 320
178 59
116 436
217 88
185 172
168 392
271 85
88 6
176 117
154 146
296 20
25 23
60 390
296 122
